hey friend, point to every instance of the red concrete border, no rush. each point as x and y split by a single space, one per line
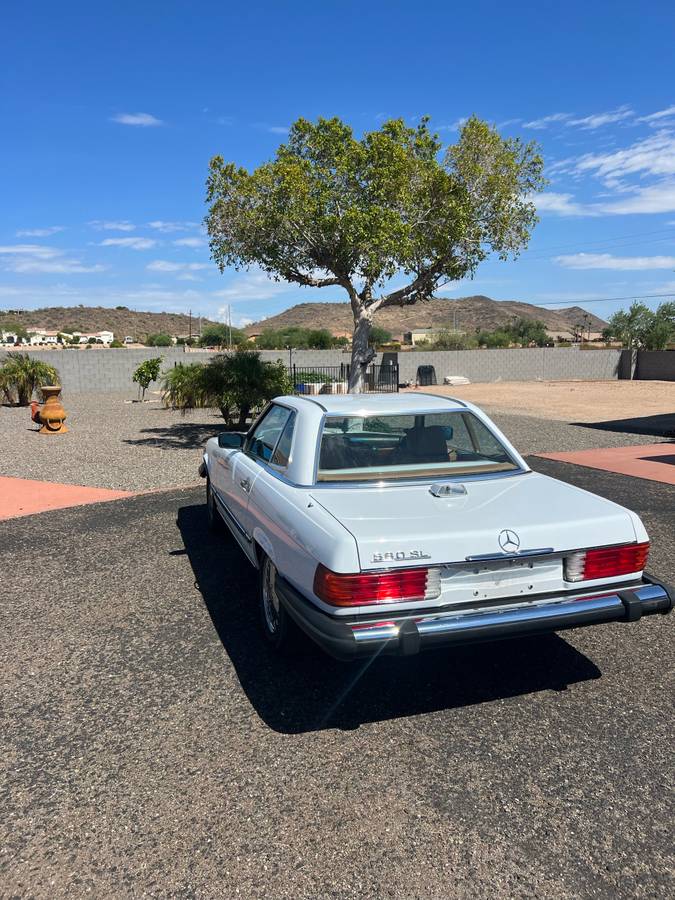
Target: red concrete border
640 461
24 497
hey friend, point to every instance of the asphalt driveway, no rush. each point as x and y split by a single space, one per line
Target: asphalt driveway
152 744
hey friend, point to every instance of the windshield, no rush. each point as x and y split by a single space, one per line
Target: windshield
395 447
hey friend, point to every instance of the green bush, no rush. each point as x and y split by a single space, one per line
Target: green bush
183 386
237 383
115 345
147 371
312 378
21 376
158 340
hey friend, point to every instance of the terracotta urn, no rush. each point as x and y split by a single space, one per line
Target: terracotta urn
52 413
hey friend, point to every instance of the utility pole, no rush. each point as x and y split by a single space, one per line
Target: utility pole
229 325
190 325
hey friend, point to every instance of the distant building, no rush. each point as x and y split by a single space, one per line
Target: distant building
40 337
103 337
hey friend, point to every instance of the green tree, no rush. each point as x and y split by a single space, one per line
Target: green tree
219 335
453 340
158 340
21 375
379 335
528 331
147 371
334 210
642 328
494 339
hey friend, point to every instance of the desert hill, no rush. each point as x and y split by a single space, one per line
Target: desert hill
120 320
464 313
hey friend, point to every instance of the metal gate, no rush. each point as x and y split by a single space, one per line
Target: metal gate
334 379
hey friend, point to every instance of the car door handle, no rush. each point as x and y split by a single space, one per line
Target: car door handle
246 484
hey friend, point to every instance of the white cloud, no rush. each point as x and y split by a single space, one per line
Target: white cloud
621 263
545 121
254 285
38 251
133 243
562 204
167 227
654 155
40 232
658 116
193 242
145 120
100 225
657 198
599 119
454 126
164 265
36 258
278 129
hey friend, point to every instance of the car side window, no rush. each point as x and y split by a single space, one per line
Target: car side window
282 454
260 445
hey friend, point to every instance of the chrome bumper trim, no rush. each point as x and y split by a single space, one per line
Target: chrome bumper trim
559 613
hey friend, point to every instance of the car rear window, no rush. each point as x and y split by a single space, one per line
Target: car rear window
396 447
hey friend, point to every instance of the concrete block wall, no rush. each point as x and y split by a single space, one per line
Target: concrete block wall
110 371
533 364
655 365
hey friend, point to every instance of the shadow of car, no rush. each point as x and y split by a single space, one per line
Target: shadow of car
309 691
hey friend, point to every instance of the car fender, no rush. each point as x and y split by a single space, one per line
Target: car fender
261 538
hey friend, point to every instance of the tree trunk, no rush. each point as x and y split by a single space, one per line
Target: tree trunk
362 353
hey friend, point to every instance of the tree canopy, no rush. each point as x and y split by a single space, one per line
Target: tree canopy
333 210
642 328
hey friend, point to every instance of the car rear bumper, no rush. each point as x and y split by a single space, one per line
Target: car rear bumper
408 633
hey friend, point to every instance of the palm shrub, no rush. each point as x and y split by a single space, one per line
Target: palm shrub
183 386
241 382
21 376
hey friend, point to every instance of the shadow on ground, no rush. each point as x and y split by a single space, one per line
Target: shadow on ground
310 691
179 436
662 425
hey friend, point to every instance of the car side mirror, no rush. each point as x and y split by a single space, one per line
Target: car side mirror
231 440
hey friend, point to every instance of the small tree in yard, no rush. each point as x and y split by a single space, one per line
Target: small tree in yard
147 371
332 210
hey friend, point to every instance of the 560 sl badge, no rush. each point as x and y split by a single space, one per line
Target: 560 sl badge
399 555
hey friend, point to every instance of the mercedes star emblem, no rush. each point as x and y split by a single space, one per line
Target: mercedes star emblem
509 541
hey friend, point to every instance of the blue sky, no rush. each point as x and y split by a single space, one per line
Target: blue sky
110 114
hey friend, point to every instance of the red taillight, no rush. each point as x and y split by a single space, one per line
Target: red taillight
606 562
359 589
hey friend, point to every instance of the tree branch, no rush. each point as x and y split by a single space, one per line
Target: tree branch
421 288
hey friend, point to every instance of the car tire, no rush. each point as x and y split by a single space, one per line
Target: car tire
279 629
213 517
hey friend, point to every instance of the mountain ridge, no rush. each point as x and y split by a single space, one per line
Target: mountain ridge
464 313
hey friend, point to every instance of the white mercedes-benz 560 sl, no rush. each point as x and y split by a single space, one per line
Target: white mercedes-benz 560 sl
392 523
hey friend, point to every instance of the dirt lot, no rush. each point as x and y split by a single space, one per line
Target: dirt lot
571 401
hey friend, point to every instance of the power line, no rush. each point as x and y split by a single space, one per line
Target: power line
623 237
603 299
608 244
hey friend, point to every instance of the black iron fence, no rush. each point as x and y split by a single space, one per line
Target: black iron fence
335 379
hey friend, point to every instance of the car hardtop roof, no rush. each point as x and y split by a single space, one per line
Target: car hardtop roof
375 404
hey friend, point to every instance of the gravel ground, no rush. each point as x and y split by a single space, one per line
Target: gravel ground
112 443
117 444
152 745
